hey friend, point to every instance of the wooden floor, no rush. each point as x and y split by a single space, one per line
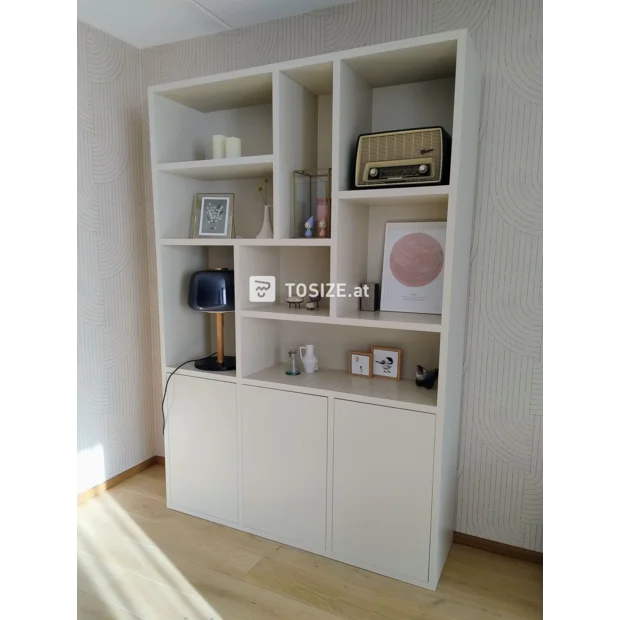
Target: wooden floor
137 559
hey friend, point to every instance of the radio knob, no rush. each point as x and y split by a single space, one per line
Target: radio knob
422 168
373 172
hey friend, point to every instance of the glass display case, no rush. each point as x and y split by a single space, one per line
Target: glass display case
311 207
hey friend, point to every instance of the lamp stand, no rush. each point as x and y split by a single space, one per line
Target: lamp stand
218 362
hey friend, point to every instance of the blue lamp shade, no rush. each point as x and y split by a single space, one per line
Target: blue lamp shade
212 291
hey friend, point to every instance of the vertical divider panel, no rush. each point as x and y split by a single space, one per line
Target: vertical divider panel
238 321
455 293
329 521
352 116
352 253
353 106
295 144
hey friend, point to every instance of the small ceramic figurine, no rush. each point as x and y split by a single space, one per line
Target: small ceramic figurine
322 228
294 301
308 226
315 299
425 378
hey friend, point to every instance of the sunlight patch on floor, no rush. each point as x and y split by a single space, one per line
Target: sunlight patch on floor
114 553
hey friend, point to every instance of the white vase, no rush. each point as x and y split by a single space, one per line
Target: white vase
309 360
266 232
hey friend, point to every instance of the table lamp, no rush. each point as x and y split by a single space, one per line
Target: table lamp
213 291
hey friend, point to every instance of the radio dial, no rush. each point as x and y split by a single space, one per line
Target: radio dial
373 172
422 168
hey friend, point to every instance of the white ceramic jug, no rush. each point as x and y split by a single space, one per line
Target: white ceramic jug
309 360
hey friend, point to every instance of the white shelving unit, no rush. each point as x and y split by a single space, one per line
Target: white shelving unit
360 470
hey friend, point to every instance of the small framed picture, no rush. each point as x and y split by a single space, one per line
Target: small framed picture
213 216
360 364
386 362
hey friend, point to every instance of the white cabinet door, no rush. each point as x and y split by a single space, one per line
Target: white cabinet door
201 456
285 465
383 476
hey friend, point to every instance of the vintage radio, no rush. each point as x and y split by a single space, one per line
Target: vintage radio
405 157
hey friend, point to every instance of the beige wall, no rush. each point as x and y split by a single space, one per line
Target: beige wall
115 386
500 464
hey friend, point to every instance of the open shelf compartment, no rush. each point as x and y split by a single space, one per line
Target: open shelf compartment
303 265
359 256
176 199
303 135
189 334
265 346
389 91
187 117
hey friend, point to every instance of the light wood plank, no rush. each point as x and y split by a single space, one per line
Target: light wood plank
93 608
139 595
132 547
132 565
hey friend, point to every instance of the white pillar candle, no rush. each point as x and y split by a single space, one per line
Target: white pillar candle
233 147
219 146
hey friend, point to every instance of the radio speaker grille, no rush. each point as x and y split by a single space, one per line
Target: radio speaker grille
398 146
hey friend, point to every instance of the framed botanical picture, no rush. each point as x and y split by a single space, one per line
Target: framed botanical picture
360 364
386 362
213 216
413 260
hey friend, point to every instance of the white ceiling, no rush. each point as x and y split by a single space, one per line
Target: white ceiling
145 23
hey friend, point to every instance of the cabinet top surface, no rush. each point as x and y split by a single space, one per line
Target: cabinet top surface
440 51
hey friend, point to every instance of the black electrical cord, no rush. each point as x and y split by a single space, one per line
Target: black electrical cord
163 400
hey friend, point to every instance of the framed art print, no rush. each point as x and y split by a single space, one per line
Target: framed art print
360 364
413 266
386 362
213 216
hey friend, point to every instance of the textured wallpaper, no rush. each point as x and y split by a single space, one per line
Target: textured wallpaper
500 464
115 364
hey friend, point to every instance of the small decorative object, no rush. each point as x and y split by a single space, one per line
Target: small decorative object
233 147
309 360
413 261
294 301
213 216
360 364
311 199
308 226
386 362
370 300
425 378
293 364
315 298
311 305
266 232
323 216
219 146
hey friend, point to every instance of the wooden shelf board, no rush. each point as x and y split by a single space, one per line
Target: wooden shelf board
190 371
393 320
403 393
197 242
311 243
437 194
281 312
301 242
222 169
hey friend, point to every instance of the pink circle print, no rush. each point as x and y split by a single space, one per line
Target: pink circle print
416 259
